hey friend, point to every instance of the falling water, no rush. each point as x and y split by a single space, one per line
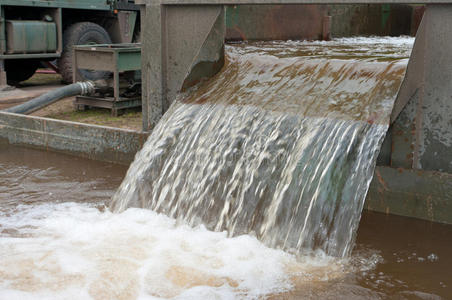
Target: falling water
281 144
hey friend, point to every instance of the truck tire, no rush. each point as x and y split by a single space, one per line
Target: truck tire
18 70
83 33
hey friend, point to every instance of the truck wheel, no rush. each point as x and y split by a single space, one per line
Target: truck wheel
18 70
83 33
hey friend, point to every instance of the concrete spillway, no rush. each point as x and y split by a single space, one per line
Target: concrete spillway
280 143
183 43
58 240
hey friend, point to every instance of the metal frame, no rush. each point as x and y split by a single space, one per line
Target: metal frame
113 58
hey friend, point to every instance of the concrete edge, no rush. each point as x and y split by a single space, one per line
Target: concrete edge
85 140
412 193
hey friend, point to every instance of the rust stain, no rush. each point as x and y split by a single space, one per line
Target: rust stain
430 208
381 181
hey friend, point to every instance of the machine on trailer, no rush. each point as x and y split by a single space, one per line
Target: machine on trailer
119 59
35 31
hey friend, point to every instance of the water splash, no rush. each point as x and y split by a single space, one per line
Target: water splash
281 147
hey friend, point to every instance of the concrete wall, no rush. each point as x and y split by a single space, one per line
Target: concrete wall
415 174
90 141
420 194
181 45
317 22
421 132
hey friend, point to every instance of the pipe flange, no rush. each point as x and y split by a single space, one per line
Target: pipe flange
88 88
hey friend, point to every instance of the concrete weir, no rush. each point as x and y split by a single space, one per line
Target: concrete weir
183 42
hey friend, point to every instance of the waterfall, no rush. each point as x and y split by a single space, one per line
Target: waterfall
278 144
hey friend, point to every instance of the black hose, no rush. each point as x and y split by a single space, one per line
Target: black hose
78 88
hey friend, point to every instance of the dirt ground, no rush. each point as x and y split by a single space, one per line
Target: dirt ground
64 109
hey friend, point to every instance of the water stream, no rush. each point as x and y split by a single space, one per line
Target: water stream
281 144
59 239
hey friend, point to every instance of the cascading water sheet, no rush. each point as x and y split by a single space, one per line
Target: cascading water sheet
248 151
281 144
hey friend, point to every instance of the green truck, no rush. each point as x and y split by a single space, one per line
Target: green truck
37 31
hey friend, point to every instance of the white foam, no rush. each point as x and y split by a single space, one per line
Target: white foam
356 48
382 40
75 251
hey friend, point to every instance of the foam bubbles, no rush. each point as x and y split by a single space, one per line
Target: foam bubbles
76 251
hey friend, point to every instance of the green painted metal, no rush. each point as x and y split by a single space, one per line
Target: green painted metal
31 37
129 61
25 45
386 12
232 16
75 4
122 57
132 21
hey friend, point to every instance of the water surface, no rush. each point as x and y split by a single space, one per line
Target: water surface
58 239
281 143
60 245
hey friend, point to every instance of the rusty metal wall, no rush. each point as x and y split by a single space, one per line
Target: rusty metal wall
317 22
371 19
276 22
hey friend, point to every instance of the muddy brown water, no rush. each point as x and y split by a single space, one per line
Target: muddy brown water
59 240
282 142
397 257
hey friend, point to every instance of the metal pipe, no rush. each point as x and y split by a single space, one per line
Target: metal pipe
75 89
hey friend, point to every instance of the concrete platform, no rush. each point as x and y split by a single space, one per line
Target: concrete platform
85 140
